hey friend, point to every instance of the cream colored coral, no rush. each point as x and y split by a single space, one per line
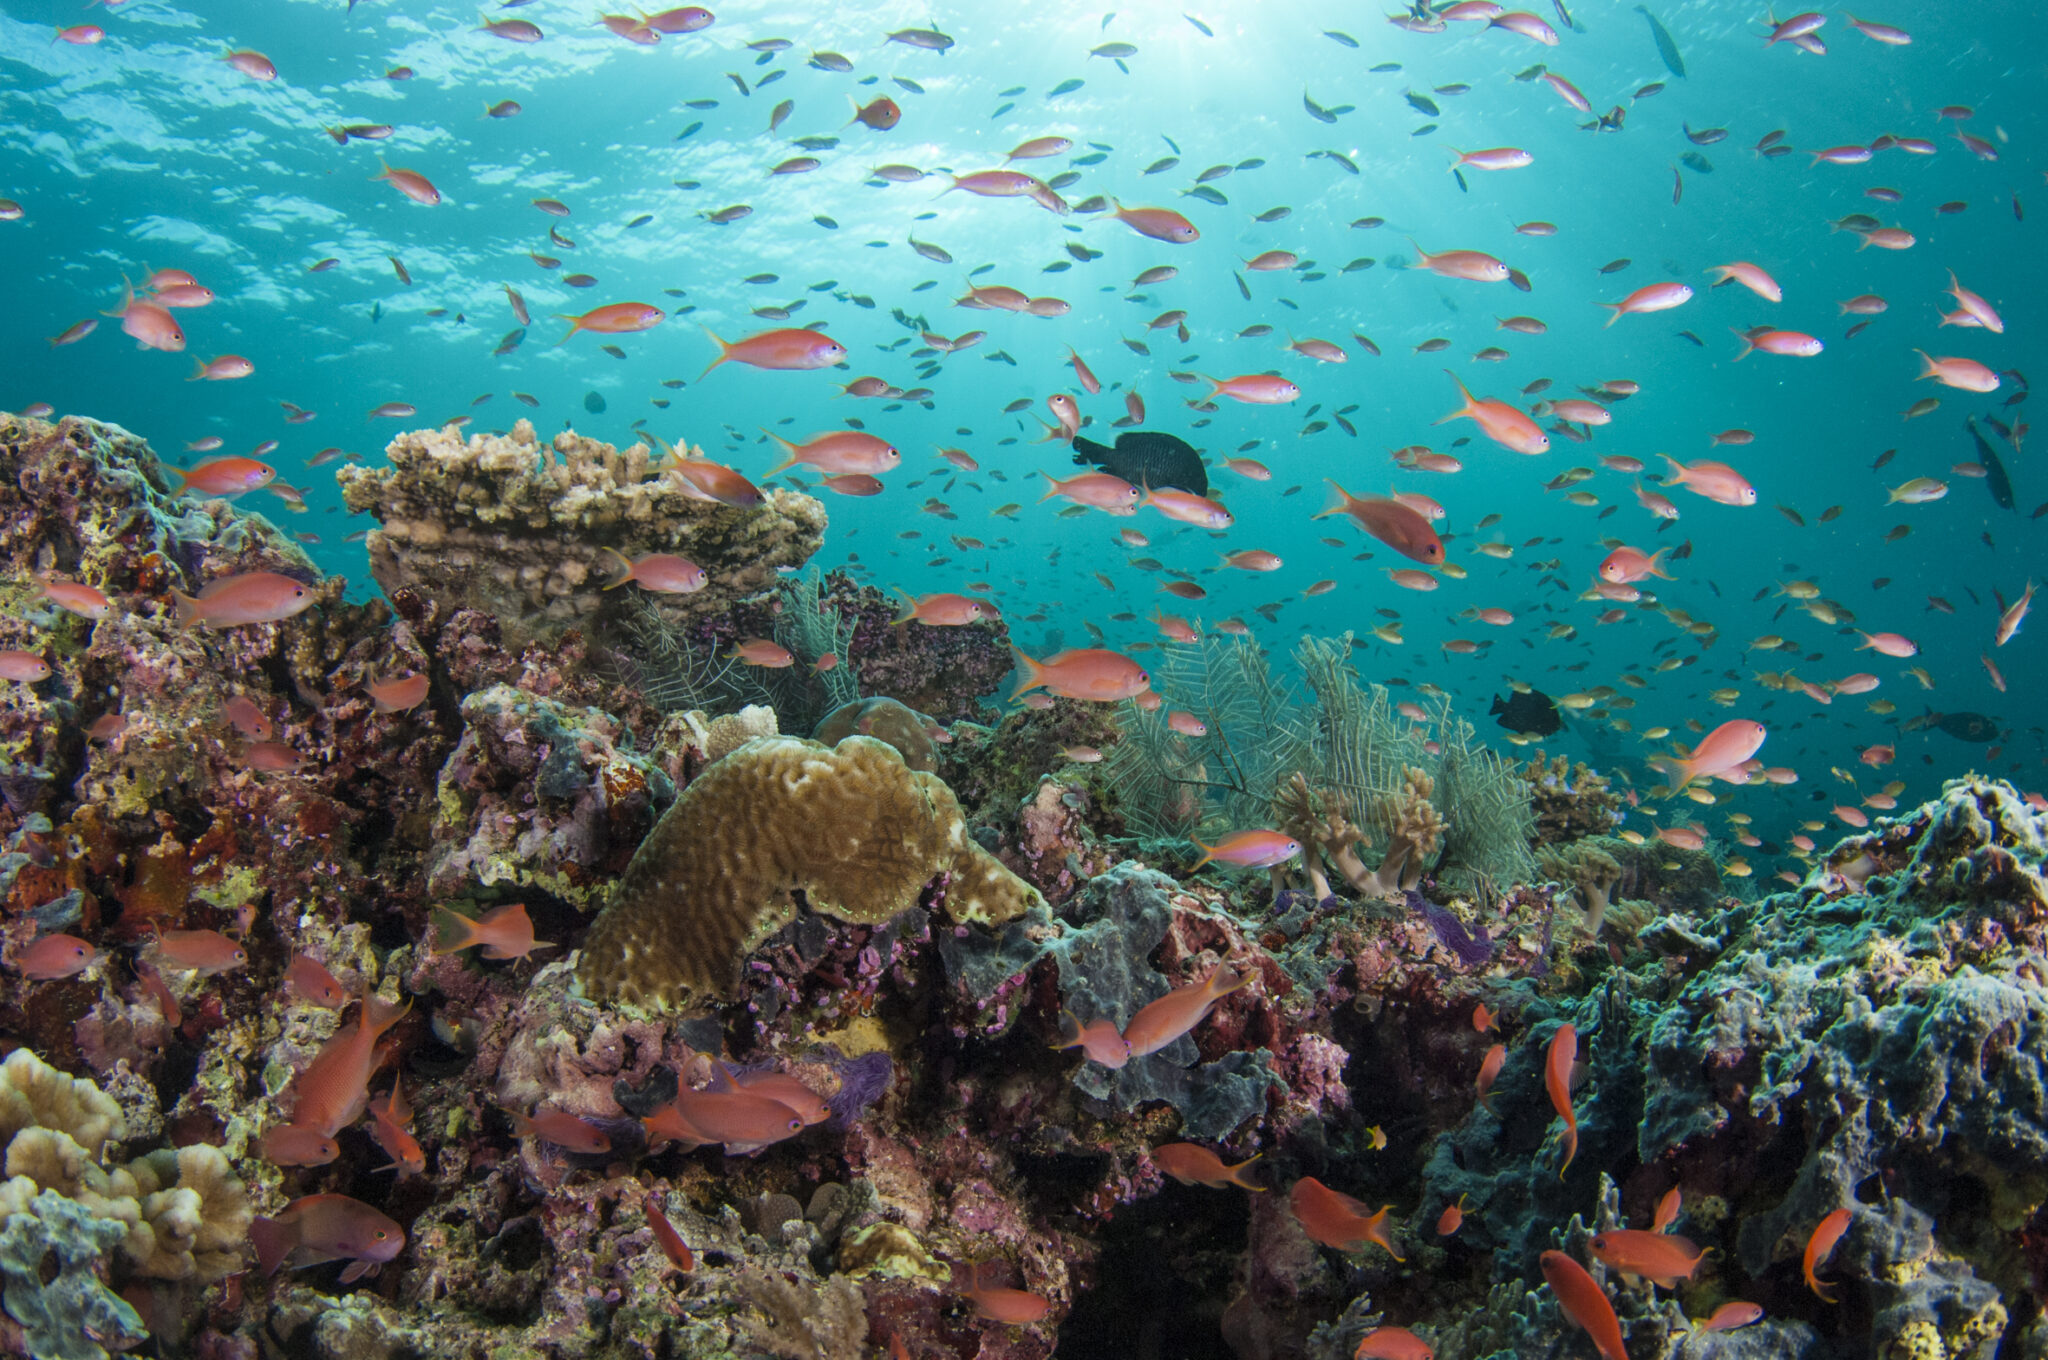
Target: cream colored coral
514 528
185 1213
197 1211
852 827
1589 871
728 732
1414 830
34 1094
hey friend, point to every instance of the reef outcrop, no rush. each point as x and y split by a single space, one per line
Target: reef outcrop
516 528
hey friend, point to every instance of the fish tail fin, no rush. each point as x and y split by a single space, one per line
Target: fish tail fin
1208 853
1614 310
1468 409
576 324
1656 570
724 353
1338 506
625 568
1034 675
1571 1149
909 608
1927 366
273 1242
1070 1031
790 458
1237 983
522 1126
1422 256
1677 476
190 611
453 931
1457 159
1236 1175
1052 487
198 369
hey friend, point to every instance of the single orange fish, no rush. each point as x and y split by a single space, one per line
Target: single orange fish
297 1145
1193 1164
783 350
562 1129
616 318
1489 1069
1557 1077
666 1237
1664 1259
397 696
1392 1343
1484 1020
1337 1220
1089 673
1825 1235
1732 1314
203 951
505 932
1180 1010
307 980
1667 1210
331 1092
55 956
1099 1038
251 597
1584 1303
322 1228
391 1129
1452 1218
994 1303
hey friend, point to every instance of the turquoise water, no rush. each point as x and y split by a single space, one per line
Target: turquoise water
148 150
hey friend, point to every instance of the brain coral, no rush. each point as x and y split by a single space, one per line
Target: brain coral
853 828
507 525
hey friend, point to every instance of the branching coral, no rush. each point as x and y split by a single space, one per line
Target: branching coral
852 828
1414 829
1321 819
504 524
1588 871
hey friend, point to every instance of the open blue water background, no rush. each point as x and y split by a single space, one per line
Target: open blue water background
148 150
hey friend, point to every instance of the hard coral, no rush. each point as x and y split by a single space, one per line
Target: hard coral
1589 871
1569 801
502 524
853 829
885 719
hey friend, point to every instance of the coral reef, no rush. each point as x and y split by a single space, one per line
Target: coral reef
1568 800
901 926
513 528
851 827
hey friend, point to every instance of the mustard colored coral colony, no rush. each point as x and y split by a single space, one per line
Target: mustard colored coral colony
625 927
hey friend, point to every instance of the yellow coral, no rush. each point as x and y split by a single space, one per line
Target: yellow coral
34 1094
853 828
184 1212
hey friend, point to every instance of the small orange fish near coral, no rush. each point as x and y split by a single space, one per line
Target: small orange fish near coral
1193 1164
505 932
1337 1220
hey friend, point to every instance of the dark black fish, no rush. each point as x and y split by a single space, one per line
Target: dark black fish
1995 476
1966 726
1705 136
593 403
1421 103
1530 713
1666 49
1696 161
1146 458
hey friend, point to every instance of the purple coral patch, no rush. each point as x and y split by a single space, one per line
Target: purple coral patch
1450 931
